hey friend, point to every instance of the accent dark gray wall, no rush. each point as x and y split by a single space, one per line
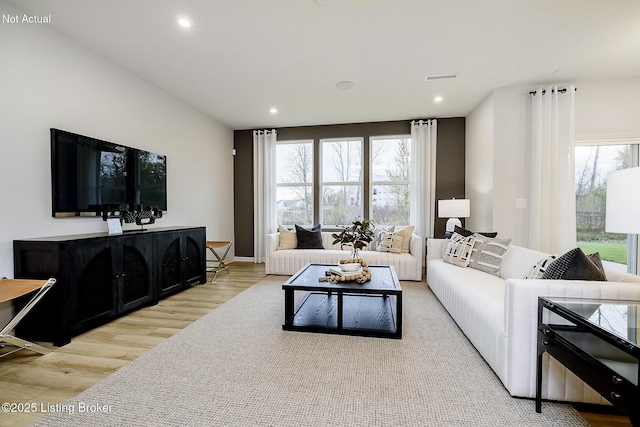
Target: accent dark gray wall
450 165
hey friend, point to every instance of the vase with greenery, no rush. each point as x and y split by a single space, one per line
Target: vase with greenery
357 236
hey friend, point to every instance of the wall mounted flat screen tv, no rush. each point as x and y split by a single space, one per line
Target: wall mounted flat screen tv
89 176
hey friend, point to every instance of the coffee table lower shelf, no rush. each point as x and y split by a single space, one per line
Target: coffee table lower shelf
346 314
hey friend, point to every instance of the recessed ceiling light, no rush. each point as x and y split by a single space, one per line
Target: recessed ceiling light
345 85
437 99
183 21
273 110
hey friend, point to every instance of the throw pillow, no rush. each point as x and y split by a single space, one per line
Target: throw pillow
459 249
377 236
288 239
405 233
574 265
309 239
537 271
390 242
464 232
487 254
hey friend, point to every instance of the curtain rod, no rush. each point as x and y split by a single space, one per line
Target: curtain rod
544 91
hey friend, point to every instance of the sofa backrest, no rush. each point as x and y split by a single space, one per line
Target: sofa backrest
517 261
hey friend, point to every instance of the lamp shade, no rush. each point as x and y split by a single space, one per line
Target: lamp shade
623 201
454 208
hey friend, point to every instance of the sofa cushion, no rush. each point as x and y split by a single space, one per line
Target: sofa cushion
288 239
309 239
459 249
377 236
390 242
487 254
574 265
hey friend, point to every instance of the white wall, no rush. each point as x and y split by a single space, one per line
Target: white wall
479 138
608 109
497 165
47 80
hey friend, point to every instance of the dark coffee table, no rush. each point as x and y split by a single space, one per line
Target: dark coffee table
370 309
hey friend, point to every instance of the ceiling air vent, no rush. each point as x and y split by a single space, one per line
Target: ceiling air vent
441 77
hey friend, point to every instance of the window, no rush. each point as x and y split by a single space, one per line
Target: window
341 182
294 182
390 177
593 162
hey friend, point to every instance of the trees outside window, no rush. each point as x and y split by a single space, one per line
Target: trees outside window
390 177
341 183
294 182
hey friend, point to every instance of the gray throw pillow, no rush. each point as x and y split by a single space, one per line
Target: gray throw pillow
487 254
309 239
575 265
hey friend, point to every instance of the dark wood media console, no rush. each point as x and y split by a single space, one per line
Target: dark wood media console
100 277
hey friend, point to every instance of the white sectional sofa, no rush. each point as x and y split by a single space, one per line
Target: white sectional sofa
408 266
499 316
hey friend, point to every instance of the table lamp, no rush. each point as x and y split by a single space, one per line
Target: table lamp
454 209
623 201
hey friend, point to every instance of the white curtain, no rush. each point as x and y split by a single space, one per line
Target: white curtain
552 221
423 176
264 190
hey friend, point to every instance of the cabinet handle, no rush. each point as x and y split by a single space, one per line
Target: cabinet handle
545 342
546 331
616 379
615 396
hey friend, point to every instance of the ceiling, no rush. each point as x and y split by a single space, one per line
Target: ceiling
242 57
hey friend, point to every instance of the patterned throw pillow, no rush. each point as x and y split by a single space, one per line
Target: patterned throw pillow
537 271
288 239
459 249
390 242
487 254
377 236
575 265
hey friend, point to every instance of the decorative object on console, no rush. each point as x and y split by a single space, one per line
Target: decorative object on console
358 236
141 215
454 209
623 202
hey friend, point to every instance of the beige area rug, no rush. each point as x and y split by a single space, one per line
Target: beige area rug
237 367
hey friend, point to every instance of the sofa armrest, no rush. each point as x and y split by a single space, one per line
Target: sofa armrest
416 246
521 318
434 248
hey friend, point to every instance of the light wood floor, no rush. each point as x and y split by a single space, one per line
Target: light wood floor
26 377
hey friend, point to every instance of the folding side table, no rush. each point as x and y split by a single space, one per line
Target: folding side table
11 289
212 246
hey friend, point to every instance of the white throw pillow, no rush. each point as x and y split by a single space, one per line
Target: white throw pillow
459 250
288 239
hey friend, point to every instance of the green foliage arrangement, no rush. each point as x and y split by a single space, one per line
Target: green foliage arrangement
358 235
